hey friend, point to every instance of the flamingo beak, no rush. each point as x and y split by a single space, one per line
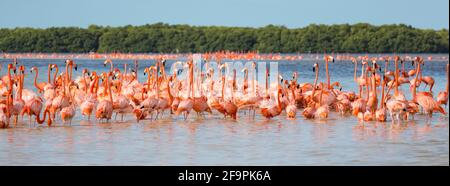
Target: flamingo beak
76 67
332 60
314 69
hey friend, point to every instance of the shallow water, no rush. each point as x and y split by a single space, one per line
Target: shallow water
214 141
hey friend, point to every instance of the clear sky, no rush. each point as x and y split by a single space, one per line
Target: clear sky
253 13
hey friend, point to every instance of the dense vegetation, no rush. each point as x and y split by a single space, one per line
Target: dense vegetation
183 38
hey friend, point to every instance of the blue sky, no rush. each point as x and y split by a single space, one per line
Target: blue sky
432 14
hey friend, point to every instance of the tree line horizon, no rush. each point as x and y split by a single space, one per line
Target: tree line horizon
165 38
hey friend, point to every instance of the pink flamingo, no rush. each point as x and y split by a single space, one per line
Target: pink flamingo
425 99
185 106
105 107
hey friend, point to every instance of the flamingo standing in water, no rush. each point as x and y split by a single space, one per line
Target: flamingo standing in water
425 99
121 104
310 110
361 79
396 105
34 105
105 107
380 114
18 102
62 100
185 105
5 111
87 106
163 103
372 101
360 104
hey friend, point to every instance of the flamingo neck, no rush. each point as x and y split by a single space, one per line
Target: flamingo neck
374 90
414 90
42 120
66 75
35 79
278 102
70 75
169 93
315 81
64 87
109 89
19 96
328 74
10 91
10 81
367 85
54 76
396 78
191 82
91 88
223 87
48 73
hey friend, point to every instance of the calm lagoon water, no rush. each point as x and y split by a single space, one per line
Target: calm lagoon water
215 141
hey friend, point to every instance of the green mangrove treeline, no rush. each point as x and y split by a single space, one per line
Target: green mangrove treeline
166 38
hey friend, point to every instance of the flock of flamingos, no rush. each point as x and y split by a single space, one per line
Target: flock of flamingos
118 92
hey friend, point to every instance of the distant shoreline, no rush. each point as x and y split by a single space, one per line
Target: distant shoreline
165 38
